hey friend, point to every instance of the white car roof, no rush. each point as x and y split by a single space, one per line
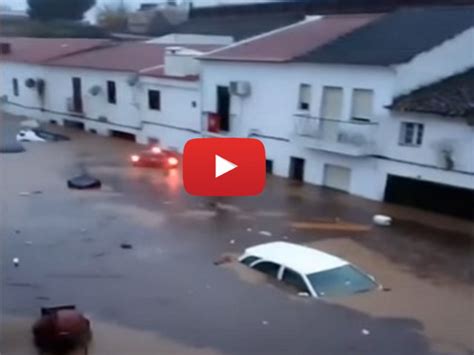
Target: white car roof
297 257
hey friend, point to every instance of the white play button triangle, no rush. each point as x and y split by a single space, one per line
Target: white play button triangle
223 166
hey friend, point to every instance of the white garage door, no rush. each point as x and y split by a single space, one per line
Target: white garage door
337 177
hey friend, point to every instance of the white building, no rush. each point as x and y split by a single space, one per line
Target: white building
143 91
330 97
317 94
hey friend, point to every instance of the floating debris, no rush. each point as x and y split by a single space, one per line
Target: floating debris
224 259
265 233
126 246
83 182
382 220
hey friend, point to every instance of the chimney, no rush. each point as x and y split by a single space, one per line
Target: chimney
5 48
180 61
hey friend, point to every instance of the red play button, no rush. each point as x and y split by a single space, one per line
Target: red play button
224 167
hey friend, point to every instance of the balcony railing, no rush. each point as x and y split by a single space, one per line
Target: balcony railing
348 137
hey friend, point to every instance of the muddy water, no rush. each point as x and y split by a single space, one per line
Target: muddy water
109 339
447 316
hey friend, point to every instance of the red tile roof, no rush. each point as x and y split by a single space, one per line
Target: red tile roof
41 50
130 56
293 41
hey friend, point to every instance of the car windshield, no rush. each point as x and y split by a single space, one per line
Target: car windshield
341 281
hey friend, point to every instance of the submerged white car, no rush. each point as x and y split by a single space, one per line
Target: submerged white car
37 135
309 271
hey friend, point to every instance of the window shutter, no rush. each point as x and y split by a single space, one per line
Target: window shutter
331 104
362 104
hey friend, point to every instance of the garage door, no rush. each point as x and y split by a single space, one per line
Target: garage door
430 196
123 135
337 177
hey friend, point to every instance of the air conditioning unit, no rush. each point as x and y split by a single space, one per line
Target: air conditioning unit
240 88
70 104
3 99
103 119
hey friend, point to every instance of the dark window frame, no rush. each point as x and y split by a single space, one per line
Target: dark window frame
154 100
16 87
411 134
111 92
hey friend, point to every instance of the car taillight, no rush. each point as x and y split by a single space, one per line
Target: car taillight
156 150
135 158
172 161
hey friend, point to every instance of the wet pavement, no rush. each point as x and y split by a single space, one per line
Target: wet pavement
165 295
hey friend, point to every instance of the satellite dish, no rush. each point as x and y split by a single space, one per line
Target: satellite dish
30 83
95 90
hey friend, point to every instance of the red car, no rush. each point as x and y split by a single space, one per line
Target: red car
155 157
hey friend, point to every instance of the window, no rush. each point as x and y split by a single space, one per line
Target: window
249 260
304 97
16 90
223 107
294 280
362 105
331 103
341 281
411 134
111 92
271 269
154 100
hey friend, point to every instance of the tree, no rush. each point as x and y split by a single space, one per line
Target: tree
113 17
45 10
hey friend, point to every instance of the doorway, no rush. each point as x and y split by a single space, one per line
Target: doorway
77 94
296 169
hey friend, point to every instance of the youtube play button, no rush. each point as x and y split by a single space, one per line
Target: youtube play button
224 167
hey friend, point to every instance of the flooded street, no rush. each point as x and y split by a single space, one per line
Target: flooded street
166 296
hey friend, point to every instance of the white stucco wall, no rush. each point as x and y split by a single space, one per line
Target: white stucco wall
450 57
274 91
178 120
271 107
439 133
122 116
179 38
28 99
272 104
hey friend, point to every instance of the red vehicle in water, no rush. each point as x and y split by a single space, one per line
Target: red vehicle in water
155 157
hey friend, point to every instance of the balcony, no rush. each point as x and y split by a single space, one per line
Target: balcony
353 138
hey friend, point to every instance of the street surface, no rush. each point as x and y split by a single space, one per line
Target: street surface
165 296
